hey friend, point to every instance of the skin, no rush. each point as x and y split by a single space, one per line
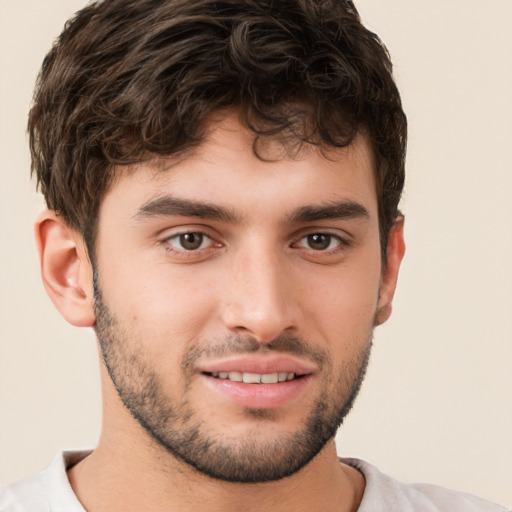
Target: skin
257 275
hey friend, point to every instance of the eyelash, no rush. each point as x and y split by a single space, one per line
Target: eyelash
341 242
183 252
190 252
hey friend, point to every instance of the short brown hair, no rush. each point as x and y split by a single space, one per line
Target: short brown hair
128 80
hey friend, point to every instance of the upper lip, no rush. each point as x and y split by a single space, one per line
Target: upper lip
259 364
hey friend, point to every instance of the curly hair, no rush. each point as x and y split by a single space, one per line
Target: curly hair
128 80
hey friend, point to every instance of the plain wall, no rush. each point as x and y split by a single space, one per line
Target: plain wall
436 405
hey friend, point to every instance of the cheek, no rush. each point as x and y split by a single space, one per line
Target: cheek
157 299
345 303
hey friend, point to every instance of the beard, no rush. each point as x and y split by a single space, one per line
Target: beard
186 435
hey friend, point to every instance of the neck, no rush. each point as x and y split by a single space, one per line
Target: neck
124 479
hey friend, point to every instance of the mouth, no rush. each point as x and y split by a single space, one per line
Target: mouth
255 378
259 383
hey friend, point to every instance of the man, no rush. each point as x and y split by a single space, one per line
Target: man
222 182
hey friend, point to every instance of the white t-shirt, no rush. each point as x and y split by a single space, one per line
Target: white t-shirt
50 491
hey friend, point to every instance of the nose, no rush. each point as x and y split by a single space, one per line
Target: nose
261 299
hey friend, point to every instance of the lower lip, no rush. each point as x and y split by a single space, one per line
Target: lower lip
258 396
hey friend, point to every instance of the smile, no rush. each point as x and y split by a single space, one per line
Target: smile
255 378
257 390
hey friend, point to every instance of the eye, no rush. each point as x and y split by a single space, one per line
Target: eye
320 241
191 241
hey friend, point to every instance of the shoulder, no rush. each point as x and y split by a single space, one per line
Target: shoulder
25 495
385 493
43 492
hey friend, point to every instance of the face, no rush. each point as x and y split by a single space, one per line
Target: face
236 299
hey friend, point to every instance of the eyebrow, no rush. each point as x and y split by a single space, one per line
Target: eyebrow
168 206
330 211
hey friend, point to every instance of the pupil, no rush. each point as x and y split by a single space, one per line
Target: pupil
191 241
319 242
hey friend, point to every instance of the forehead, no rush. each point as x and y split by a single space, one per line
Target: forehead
225 170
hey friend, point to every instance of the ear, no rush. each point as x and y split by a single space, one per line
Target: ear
65 269
394 255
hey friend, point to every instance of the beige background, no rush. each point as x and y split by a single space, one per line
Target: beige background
437 402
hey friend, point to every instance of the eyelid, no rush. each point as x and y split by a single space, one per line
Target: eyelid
193 254
341 241
328 256
342 235
183 229
177 236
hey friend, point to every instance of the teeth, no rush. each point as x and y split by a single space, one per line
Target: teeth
269 378
251 378
255 378
236 376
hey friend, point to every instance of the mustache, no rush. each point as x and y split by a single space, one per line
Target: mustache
236 345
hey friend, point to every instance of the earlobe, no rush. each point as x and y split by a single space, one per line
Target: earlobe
395 253
65 269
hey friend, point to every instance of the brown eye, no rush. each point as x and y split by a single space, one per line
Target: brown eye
188 242
191 241
191 246
319 241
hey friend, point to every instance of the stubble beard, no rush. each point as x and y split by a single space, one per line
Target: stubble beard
181 431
